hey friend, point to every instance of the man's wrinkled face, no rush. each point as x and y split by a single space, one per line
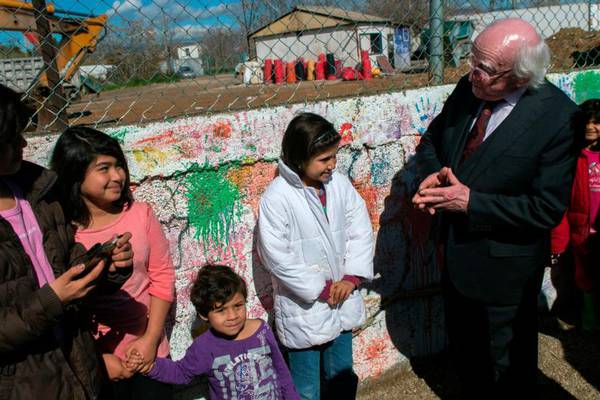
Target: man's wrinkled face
491 72
493 57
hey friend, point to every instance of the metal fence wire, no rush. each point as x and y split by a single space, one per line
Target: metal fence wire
134 61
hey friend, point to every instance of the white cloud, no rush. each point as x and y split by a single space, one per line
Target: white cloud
124 6
173 9
188 32
208 12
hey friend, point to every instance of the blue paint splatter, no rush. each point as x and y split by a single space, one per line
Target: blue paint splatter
426 112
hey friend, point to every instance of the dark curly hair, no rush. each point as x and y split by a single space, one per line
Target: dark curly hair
215 285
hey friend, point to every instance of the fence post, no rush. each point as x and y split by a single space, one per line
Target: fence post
52 114
589 7
436 42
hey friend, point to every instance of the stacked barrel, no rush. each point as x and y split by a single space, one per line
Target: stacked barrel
326 67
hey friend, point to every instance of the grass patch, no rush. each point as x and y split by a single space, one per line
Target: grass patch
137 82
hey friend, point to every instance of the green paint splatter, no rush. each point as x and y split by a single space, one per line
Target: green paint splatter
213 204
586 86
119 135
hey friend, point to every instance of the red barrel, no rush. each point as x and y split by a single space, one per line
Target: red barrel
366 64
291 72
279 73
268 70
320 70
348 74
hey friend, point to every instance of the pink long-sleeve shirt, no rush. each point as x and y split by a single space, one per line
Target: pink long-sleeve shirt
122 317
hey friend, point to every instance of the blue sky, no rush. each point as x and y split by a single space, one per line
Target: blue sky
202 11
187 18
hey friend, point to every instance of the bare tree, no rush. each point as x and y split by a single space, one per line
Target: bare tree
222 49
135 50
167 39
414 13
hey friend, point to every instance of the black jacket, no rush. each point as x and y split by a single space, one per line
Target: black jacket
520 178
34 364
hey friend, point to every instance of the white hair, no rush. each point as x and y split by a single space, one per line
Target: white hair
532 62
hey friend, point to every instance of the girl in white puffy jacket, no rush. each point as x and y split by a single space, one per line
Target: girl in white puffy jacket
316 239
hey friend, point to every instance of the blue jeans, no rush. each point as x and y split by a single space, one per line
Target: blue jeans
336 359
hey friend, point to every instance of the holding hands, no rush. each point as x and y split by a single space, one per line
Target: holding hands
141 354
135 362
116 368
442 191
339 292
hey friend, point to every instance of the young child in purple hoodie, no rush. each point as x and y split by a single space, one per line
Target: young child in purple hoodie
240 356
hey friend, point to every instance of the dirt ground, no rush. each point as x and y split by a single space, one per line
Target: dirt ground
569 368
567 45
225 93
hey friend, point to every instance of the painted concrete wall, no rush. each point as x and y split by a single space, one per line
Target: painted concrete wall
204 176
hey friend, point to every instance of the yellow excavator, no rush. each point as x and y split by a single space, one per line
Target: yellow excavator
79 34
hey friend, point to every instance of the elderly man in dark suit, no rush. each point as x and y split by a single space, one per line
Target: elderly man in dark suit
498 164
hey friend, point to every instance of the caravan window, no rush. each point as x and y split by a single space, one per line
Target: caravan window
374 41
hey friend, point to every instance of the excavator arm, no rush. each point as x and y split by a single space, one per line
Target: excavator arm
79 36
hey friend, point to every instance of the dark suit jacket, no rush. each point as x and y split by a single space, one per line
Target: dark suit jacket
520 179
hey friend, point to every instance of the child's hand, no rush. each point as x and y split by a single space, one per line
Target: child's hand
115 369
142 353
122 255
339 292
134 361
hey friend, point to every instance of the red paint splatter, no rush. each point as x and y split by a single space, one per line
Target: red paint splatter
222 129
165 138
369 193
346 133
375 349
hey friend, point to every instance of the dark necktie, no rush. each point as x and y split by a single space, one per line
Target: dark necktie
478 132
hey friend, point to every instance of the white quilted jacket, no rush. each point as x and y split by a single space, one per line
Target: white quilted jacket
302 248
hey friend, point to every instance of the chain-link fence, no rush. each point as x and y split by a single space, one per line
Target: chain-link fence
132 61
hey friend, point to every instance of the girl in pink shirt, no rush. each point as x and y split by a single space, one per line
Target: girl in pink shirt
94 182
578 230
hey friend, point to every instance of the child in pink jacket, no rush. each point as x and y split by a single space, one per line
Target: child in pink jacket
579 226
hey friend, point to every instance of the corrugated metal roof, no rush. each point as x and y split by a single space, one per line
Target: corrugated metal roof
306 18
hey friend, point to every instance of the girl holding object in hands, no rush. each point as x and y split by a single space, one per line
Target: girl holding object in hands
94 181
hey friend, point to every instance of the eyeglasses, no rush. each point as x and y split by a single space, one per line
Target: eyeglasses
483 73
